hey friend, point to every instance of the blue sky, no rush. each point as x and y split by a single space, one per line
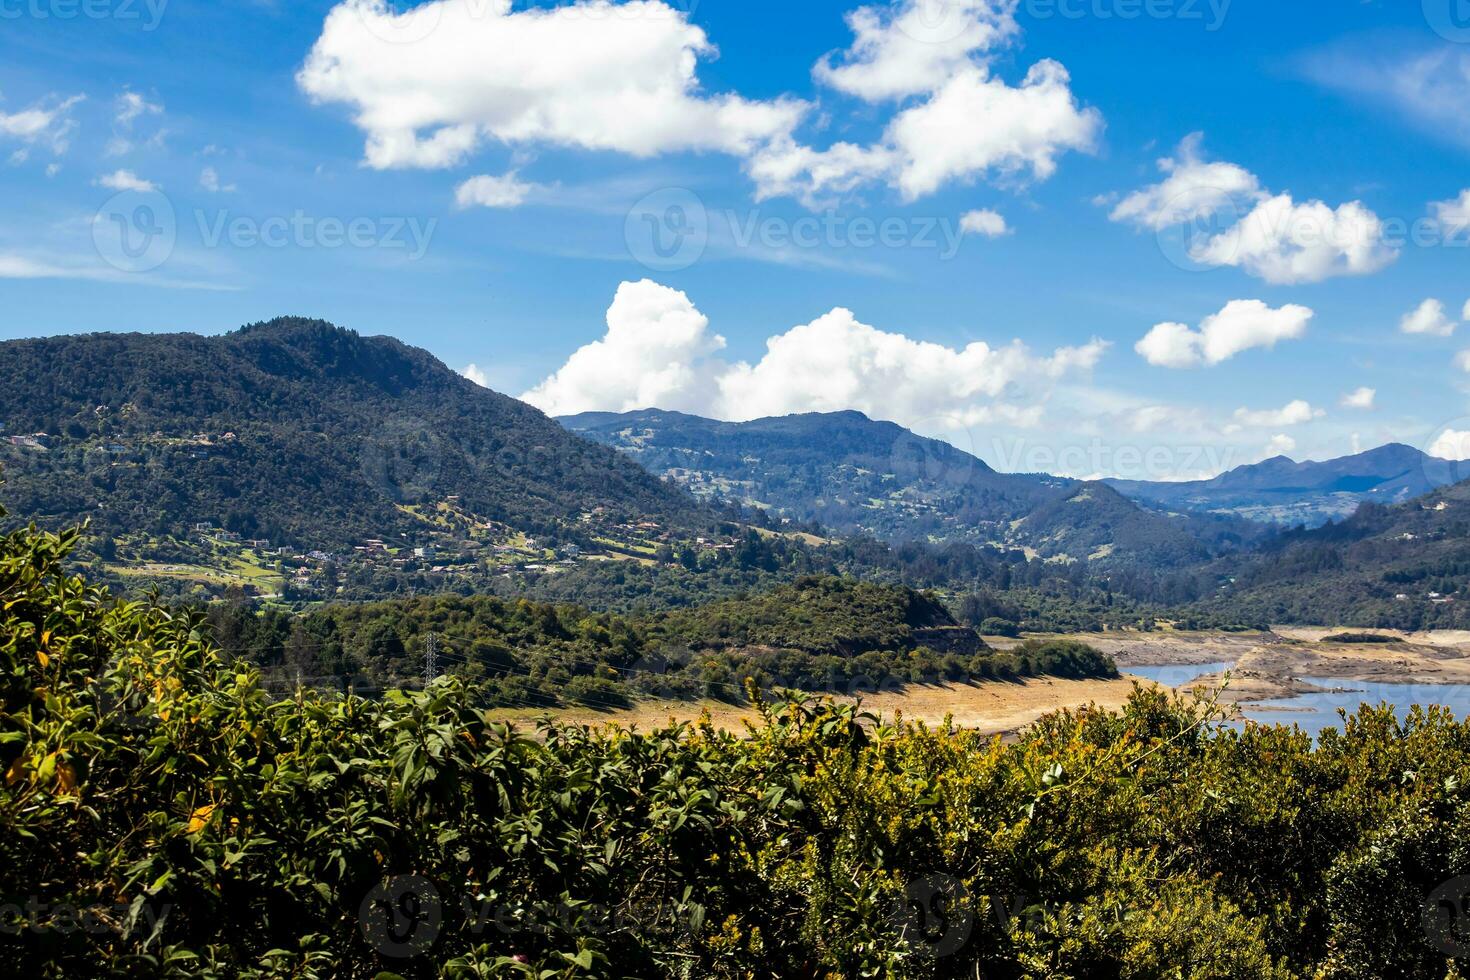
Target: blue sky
484 180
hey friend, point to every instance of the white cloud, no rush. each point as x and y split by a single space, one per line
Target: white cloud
1192 190
976 123
48 123
1363 399
1294 413
1239 326
593 74
476 374
1428 319
658 351
209 180
1286 243
984 222
1451 444
973 125
1278 240
1462 361
125 180
1453 215
1279 445
505 191
655 354
912 47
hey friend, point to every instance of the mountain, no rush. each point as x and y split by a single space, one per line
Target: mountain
303 434
1282 491
1405 566
850 473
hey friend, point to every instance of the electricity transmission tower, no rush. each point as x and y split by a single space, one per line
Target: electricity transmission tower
431 658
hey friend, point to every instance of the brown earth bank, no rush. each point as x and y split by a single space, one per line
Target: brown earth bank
1266 666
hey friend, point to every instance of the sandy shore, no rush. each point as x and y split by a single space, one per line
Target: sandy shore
1265 667
994 708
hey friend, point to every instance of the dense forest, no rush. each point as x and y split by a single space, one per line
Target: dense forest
162 813
294 431
815 634
1402 567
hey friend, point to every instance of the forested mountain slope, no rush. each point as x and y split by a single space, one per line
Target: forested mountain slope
850 473
295 431
1406 566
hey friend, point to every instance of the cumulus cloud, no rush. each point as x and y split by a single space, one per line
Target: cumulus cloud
505 191
984 222
655 354
1428 319
914 46
48 123
125 180
973 125
1286 243
1192 189
1363 399
593 75
1451 444
476 374
1278 239
659 352
1239 326
1293 413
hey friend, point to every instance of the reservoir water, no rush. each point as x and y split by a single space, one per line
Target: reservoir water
1318 710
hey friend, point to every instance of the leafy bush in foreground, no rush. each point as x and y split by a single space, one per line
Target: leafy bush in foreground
161 815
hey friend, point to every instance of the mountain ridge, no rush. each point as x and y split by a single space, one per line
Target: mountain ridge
291 429
1281 490
854 474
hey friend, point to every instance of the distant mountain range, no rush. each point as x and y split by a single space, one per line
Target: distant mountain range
1282 491
852 474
